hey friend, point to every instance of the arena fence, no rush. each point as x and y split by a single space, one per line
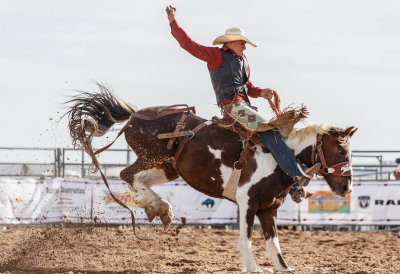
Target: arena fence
378 165
51 172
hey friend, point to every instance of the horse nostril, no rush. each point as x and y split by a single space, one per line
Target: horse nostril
345 188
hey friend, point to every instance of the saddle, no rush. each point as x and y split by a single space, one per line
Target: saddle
284 122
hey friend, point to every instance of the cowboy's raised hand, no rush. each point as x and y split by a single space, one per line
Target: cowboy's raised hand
171 12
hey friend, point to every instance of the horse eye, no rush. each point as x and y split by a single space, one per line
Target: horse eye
341 152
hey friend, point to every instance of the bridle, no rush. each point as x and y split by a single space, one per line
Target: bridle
340 169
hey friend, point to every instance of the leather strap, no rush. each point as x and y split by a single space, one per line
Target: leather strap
233 181
96 164
146 117
179 126
162 114
183 143
127 125
320 153
240 163
175 134
162 109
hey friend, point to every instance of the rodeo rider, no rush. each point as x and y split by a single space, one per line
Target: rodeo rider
230 72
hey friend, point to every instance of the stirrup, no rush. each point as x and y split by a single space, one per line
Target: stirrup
299 194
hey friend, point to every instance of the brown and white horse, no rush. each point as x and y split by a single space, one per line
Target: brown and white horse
206 162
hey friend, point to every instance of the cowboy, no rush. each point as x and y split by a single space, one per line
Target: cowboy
230 72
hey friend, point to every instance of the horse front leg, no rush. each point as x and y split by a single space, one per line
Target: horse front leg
246 219
140 177
268 223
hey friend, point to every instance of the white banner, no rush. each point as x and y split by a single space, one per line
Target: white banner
186 202
369 203
25 201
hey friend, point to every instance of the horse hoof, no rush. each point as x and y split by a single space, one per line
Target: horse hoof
159 208
257 269
167 218
167 215
289 269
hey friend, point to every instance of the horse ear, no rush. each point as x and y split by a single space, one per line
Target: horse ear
350 131
353 131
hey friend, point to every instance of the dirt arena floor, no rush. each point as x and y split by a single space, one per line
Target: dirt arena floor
113 249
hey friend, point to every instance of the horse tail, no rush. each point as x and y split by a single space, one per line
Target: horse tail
93 114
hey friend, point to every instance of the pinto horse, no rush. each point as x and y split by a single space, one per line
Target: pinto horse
206 162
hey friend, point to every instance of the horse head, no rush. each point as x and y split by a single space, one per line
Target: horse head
334 153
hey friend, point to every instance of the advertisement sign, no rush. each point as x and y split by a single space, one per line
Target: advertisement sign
26 201
186 202
369 203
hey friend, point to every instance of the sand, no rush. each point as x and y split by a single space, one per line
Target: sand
115 249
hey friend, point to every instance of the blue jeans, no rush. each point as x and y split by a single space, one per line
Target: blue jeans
284 156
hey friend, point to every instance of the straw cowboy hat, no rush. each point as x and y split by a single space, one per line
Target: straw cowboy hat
232 34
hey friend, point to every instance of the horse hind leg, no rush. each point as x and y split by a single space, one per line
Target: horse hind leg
141 176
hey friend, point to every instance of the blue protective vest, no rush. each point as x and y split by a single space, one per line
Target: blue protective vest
231 77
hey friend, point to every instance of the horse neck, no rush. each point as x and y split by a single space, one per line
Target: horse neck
303 147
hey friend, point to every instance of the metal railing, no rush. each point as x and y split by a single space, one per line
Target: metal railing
69 162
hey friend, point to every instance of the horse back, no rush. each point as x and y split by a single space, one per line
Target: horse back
206 159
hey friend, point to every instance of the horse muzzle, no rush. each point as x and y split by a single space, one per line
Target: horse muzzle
344 187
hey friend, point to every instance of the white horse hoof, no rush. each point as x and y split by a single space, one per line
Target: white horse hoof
257 269
289 269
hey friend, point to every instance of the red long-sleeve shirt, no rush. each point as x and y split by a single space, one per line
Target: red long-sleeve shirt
211 55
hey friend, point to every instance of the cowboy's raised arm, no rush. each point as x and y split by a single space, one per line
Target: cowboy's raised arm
211 55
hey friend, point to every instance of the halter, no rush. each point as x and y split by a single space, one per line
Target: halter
340 169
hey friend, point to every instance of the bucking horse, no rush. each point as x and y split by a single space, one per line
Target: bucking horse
172 142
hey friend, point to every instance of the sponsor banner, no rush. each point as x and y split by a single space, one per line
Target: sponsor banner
186 202
106 210
27 201
369 203
377 203
19 200
195 206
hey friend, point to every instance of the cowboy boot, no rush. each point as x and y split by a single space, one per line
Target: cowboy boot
299 194
297 191
284 156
